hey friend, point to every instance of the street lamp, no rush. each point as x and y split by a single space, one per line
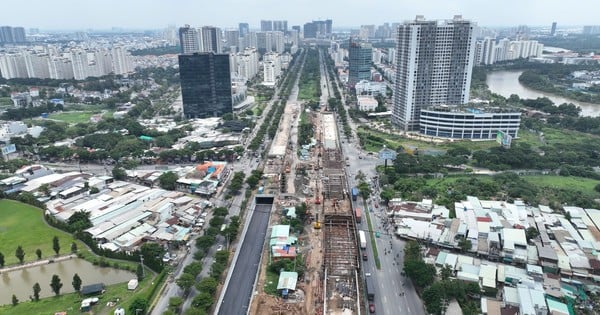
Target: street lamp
143 271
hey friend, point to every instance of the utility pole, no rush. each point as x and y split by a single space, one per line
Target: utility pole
142 261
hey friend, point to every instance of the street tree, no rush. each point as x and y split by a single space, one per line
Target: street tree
432 298
203 300
175 303
119 173
208 285
15 301
55 245
185 282
73 247
168 180
20 253
1 260
193 268
76 282
446 272
36 291
38 253
56 284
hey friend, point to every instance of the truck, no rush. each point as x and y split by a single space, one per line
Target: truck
354 193
370 289
357 214
363 239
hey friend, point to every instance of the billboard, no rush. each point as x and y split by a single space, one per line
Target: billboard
504 139
387 154
8 149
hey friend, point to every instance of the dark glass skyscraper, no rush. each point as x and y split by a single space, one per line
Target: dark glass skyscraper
205 84
360 57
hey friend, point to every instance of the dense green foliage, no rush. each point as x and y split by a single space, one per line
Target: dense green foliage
310 79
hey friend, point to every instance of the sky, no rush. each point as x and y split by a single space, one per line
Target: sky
157 14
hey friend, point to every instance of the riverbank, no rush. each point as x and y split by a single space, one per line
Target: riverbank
37 263
506 83
543 83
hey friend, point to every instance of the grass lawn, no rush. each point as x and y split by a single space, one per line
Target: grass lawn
73 117
22 224
554 181
271 281
72 301
393 141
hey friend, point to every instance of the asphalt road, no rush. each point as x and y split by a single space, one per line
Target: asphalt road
388 281
236 299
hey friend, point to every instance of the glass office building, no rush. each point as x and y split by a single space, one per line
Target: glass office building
205 84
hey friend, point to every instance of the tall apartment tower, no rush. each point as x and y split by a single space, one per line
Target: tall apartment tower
281 26
434 62
360 57
553 29
244 28
211 39
266 25
205 84
190 40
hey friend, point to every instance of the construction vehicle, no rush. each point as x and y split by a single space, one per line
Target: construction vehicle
317 222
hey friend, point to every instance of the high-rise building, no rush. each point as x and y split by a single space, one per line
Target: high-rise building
244 28
205 84
591 29
277 41
317 29
360 58
12 35
280 26
190 40
232 40
264 42
211 39
434 61
553 29
18 34
266 26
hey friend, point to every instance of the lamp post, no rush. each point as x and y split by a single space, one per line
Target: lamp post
143 271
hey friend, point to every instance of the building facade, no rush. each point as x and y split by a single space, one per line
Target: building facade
212 39
190 40
360 57
463 122
205 84
434 61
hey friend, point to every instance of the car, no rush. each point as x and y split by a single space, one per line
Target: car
219 248
371 308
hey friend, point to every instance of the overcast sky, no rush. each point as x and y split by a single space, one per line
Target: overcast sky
155 14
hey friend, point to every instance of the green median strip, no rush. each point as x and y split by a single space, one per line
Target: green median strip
373 245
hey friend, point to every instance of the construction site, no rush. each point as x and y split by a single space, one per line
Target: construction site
313 174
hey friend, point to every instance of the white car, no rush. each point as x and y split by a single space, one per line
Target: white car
219 248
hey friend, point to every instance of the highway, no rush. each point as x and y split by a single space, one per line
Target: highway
236 299
388 281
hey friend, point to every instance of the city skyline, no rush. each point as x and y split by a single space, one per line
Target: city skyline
228 13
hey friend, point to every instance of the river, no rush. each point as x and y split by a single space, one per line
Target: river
506 83
20 282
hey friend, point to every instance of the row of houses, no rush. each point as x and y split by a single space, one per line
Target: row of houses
523 272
